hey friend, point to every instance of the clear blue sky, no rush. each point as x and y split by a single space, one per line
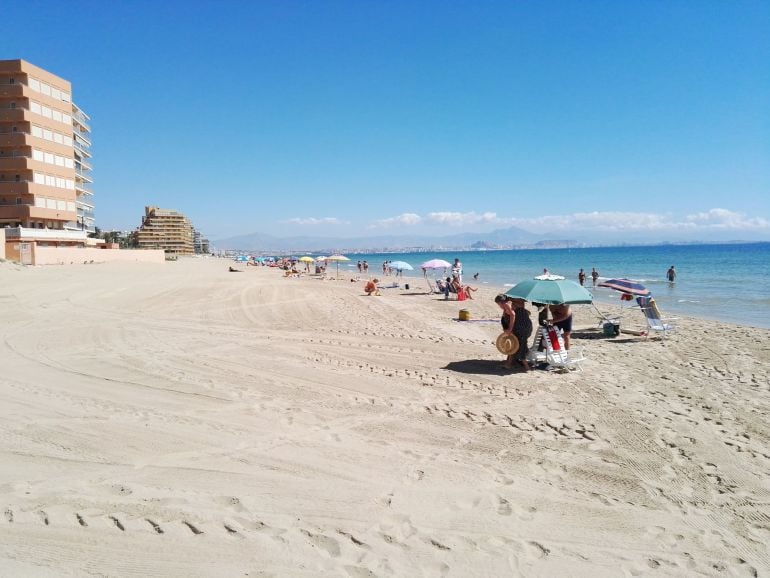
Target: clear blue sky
339 118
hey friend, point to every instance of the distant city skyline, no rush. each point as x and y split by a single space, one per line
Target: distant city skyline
351 119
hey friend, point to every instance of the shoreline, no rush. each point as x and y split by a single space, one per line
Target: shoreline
183 420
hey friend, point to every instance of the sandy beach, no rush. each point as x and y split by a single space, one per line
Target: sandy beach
176 419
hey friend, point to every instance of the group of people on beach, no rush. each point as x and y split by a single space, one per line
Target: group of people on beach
516 321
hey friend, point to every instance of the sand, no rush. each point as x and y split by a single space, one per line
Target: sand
177 419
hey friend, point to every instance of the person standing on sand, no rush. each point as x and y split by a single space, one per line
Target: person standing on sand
561 317
594 275
457 270
515 320
671 274
582 277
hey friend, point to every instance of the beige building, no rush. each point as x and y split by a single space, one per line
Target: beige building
165 229
45 195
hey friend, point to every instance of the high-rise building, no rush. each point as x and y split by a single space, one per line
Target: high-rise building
200 243
165 229
45 194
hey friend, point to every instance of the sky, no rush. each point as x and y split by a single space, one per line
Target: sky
353 118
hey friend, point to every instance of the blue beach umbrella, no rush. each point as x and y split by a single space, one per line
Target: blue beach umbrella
626 286
401 266
552 291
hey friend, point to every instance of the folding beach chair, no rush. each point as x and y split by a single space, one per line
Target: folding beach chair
654 320
548 348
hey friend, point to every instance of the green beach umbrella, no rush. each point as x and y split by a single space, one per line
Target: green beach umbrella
551 290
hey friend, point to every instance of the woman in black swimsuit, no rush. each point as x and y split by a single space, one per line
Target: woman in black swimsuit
515 320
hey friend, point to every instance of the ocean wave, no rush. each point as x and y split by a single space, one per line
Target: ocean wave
687 301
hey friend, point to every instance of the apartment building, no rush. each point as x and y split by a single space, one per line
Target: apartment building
200 243
165 229
45 194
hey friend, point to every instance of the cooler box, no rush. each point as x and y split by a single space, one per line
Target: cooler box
611 328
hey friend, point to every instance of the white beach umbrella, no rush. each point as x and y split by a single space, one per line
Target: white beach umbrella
337 258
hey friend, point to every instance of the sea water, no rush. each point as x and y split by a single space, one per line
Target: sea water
729 282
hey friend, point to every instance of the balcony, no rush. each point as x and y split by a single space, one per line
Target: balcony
82 148
14 139
82 189
84 175
28 234
16 163
77 110
79 161
18 114
80 118
8 90
13 203
82 137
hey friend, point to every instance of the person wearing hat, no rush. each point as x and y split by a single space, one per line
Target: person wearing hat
515 321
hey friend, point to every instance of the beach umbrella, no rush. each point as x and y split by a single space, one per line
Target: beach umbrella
337 259
551 291
626 286
436 264
433 264
307 260
401 266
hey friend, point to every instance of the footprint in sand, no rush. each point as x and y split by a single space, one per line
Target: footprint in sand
538 550
231 502
503 507
324 543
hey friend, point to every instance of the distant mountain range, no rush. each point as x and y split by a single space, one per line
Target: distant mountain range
267 243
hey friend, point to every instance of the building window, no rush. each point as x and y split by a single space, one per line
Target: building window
12 80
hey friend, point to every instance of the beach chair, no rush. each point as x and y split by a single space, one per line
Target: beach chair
655 322
449 290
548 348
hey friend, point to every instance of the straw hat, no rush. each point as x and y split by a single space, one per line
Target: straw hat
507 344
